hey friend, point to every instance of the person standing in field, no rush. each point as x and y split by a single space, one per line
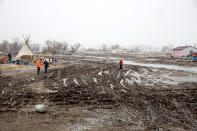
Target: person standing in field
38 63
121 63
46 65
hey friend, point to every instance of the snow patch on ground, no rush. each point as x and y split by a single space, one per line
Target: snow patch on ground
129 81
121 82
118 75
95 80
127 72
64 81
137 77
100 73
75 81
111 86
106 72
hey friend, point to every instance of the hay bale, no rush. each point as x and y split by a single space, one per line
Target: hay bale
28 57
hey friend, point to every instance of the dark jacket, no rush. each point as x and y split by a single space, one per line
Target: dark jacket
46 64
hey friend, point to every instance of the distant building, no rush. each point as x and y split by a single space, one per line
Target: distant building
183 51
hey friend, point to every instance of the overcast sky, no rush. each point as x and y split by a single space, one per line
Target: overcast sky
95 22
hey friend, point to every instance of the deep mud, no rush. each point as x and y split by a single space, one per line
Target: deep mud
96 95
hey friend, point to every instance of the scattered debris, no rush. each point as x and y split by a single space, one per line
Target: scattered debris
95 80
106 72
111 86
100 73
64 81
75 81
40 108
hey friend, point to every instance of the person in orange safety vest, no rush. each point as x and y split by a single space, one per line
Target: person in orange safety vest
38 64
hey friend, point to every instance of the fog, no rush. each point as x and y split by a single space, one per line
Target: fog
96 22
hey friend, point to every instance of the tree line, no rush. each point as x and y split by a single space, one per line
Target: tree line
51 46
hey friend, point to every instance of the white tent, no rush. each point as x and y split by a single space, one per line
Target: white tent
24 51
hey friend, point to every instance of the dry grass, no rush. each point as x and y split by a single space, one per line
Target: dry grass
54 67
141 56
11 67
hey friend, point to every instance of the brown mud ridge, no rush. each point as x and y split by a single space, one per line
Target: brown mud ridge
101 86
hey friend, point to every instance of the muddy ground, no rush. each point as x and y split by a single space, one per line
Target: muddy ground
93 94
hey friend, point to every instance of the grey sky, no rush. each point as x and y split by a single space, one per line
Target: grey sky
94 22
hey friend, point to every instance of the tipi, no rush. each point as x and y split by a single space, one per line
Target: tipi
24 51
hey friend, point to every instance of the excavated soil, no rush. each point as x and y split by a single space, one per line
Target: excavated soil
97 95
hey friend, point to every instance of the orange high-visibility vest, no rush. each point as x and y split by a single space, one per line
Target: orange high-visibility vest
38 64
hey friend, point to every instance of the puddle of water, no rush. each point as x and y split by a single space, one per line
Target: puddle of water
181 79
163 78
39 88
171 67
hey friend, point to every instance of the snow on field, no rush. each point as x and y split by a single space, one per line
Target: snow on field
127 72
95 80
106 72
111 86
118 75
75 81
122 83
64 81
100 73
129 81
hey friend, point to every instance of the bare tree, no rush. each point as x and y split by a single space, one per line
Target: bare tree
64 48
137 49
35 47
4 46
167 48
104 47
75 47
14 47
49 46
115 46
55 47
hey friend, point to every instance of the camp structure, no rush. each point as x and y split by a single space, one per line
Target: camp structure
183 51
24 51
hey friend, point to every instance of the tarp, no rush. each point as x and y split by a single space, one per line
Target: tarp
24 51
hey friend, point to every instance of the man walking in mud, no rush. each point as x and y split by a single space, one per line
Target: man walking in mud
46 65
38 66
